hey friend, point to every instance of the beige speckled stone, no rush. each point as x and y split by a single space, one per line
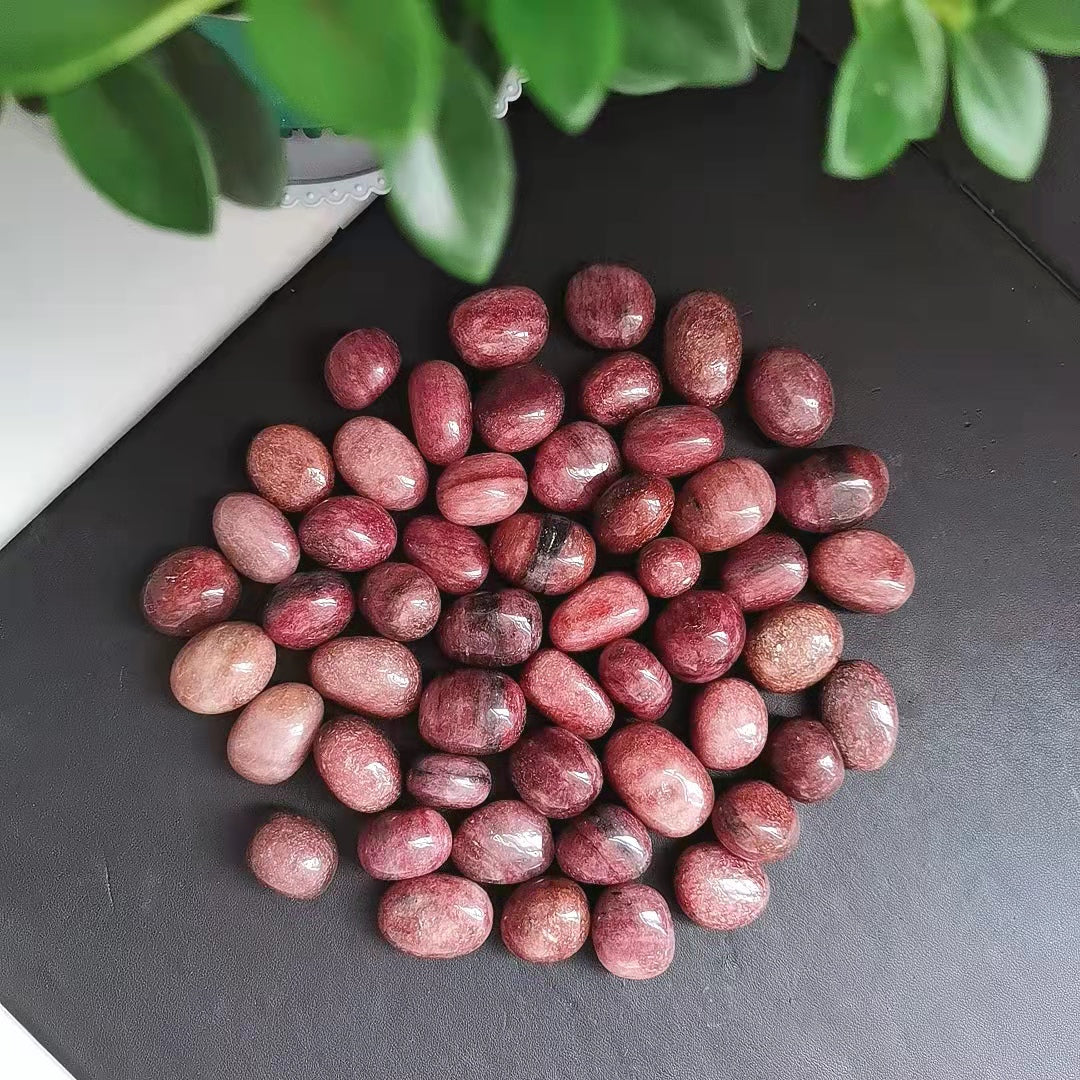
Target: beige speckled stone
274 733
222 668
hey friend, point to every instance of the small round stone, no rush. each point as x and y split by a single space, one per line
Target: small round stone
804 760
789 396
401 844
308 609
471 711
603 609
858 707
610 306
559 687
632 511
755 821
619 387
555 772
348 532
503 843
360 367
189 590
672 440
699 635
499 327
400 601
607 845
436 917
440 407
862 570
793 646
256 537
481 489
379 462
455 557
290 467
545 921
668 566
703 348
273 735
833 489
491 629
222 668
293 855
764 571
718 890
729 724
518 408
449 781
573 465
632 931
371 675
635 679
724 505
358 763
544 553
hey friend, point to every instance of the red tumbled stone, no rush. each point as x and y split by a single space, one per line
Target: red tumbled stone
545 921
607 845
718 890
401 844
379 462
455 557
631 512
703 348
603 609
491 629
481 489
360 367
470 711
804 760
668 566
789 396
560 688
635 679
272 736
400 601
440 407
293 855
833 489
755 821
518 408
189 590
699 635
449 781
374 676
724 504
308 609
610 306
672 440
858 707
256 537
573 465
545 553
729 724
290 467
862 570
503 843
793 646
499 327
436 917
632 931
348 532
555 772
358 763
222 668
619 387
764 571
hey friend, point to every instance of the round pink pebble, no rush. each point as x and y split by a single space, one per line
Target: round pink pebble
440 407
555 772
503 843
348 532
449 781
293 855
672 440
632 511
635 679
399 601
632 931
789 396
222 668
619 387
379 462
607 845
610 306
189 590
573 465
729 724
374 676
544 553
718 890
545 921
668 566
699 635
862 570
793 646
603 609
499 327
290 467
360 367
518 408
833 489
491 629
764 571
402 844
858 707
703 348
358 763
455 557
272 736
559 687
472 711
435 917
481 489
804 760
256 537
308 609
724 504
755 821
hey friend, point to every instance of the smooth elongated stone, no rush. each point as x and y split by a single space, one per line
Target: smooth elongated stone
440 407
764 571
729 724
545 921
833 489
607 845
437 916
793 646
555 772
308 609
619 387
544 553
503 843
222 668
610 306
755 821
273 735
632 511
635 679
603 609
455 557
699 635
858 707
256 537
724 505
374 676
348 532
401 844
703 348
499 327
862 570
449 781
632 931
516 409
668 566
573 465
481 489
804 760
789 396
358 763
718 890
290 467
559 687
470 711
189 590
672 440
491 629
293 855
380 462
400 601
360 367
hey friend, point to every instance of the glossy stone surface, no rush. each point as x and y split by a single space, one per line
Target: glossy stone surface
724 505
604 608
449 781
256 537
308 609
374 676
755 821
804 760
632 931
573 465
658 778
272 736
862 570
189 590
699 635
607 845
348 532
718 890
559 687
555 772
293 855
789 396
729 724
858 707
290 467
764 571
503 843
358 763
635 679
380 462
518 408
491 629
793 646
222 668
470 711
619 387
703 348
399 601
401 844
833 489
499 327
545 921
544 553
440 407
435 917
668 566
455 557
672 440
632 511
361 366
610 306
481 489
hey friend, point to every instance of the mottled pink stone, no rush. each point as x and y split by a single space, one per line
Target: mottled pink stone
668 566
789 396
764 571
804 760
402 844
503 843
858 707
699 635
189 590
544 553
610 306
635 679
703 348
607 845
518 408
793 646
471 711
360 367
256 537
619 387
862 570
545 921
672 440
374 676
308 609
718 890
499 327
555 772
455 557
573 465
729 724
436 917
449 781
440 407
290 467
400 601
348 532
632 931
481 489
603 609
559 687
358 763
724 504
491 629
379 462
293 855
273 735
631 512
222 668
755 821
833 489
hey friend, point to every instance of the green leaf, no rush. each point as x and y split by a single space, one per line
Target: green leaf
242 131
452 185
569 49
130 134
915 66
1002 101
771 24
1051 26
367 67
51 45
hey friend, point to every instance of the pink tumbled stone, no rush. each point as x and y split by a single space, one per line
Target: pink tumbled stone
455 557
360 367
348 532
603 609
358 763
607 845
632 511
619 387
436 917
449 781
379 462
764 571
668 566
294 856
499 327
518 408
793 646
718 890
559 687
374 676
862 570
755 821
573 465
256 537
610 306
308 609
635 679
545 921
729 724
401 844
481 489
555 772
189 590
272 736
858 707
491 629
804 760
703 348
400 601
699 635
290 467
544 553
222 668
724 505
789 396
440 407
503 843
472 711
672 440
632 931
833 489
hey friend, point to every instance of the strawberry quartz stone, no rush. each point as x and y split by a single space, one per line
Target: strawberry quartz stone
544 553
450 781
703 348
699 635
861 570
358 763
503 843
833 489
635 679
360 367
555 772
290 467
789 397
610 306
471 711
400 844
294 856
491 629
308 609
572 467
189 590
619 387
632 931
672 440
767 570
804 760
546 920
607 845
436 917
557 686
718 890
755 821
440 407
518 408
499 327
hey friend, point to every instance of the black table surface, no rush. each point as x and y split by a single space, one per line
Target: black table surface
927 925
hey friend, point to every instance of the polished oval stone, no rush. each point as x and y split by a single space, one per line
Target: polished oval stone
518 408
293 855
610 306
440 407
545 921
789 396
862 570
499 327
804 760
573 465
374 676
555 772
632 931
436 917
189 590
658 778
559 687
481 489
361 366
833 489
699 635
503 843
491 629
455 557
607 845
631 512
755 821
672 440
256 537
619 387
718 890
764 571
399 601
348 532
358 763
273 735
858 707
635 679
290 467
449 781
703 348
222 668
793 646
668 566
603 609
544 553
470 711
379 462
308 609
724 505
729 724
401 844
